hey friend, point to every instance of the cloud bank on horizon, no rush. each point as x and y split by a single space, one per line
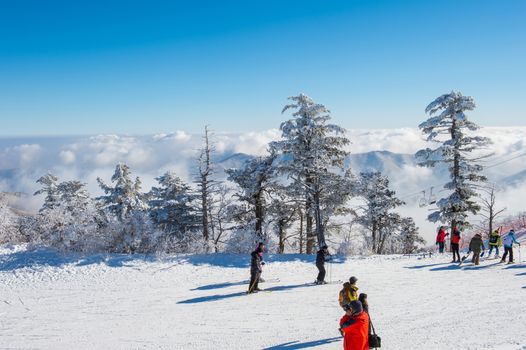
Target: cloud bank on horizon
24 160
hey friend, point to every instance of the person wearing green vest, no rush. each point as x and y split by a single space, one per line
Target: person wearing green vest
494 241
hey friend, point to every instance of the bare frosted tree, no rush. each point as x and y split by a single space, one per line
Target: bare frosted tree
206 185
489 209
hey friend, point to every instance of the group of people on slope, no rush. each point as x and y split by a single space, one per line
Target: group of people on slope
476 245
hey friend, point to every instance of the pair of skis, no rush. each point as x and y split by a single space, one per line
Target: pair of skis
330 282
467 255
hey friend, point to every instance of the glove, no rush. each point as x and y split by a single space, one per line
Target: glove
341 332
262 263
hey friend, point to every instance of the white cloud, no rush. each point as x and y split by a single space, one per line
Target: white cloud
67 156
19 156
178 136
87 158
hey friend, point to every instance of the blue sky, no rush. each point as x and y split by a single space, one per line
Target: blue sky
147 67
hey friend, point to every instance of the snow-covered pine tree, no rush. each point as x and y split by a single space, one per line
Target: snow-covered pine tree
125 196
73 196
410 238
312 148
49 183
450 127
71 222
173 207
254 179
82 219
127 219
9 222
375 213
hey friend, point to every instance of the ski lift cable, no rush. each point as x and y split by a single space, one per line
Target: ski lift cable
505 161
493 157
485 167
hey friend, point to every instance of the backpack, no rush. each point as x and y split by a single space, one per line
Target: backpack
493 239
374 339
345 299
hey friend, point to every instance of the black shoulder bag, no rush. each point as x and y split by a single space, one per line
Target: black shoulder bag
374 340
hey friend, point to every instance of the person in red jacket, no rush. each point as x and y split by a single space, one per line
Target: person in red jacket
354 326
455 244
441 239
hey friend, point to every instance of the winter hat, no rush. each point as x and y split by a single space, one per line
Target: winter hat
353 280
356 306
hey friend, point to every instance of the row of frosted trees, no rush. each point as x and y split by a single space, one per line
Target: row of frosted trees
296 197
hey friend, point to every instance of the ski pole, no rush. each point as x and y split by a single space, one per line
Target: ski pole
330 271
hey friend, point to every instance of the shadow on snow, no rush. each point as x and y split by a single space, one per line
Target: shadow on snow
463 267
456 266
424 266
216 297
221 285
518 266
297 345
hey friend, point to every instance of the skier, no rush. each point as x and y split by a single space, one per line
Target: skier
441 239
256 268
509 239
348 293
495 241
455 244
354 327
476 245
322 256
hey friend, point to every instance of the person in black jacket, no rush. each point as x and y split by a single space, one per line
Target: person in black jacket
322 256
256 264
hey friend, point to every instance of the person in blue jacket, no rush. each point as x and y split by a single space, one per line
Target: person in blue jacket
509 239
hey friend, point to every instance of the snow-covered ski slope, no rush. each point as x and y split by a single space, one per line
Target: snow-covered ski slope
54 301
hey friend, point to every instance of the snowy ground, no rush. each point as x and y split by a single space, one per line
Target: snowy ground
50 301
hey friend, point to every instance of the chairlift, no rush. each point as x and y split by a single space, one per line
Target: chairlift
423 201
432 197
